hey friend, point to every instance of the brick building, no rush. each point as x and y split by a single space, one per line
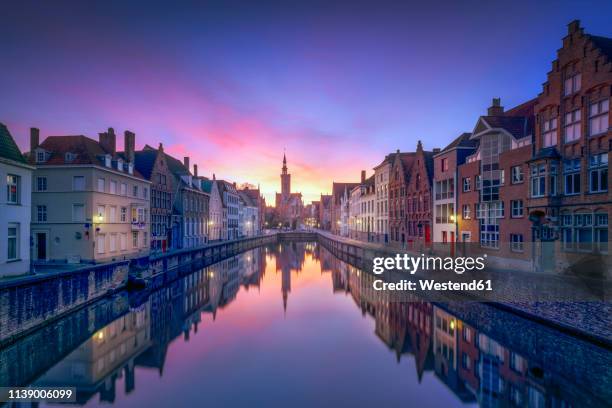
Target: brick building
152 164
445 187
569 199
493 187
410 212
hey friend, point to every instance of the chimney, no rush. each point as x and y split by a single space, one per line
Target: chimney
161 147
495 109
108 141
129 144
573 26
419 145
195 170
186 162
34 139
214 178
362 176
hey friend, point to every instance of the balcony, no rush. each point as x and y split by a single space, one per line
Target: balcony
138 225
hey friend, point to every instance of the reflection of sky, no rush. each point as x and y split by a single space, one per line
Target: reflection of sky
337 85
322 352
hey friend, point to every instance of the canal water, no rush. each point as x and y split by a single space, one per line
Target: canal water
292 325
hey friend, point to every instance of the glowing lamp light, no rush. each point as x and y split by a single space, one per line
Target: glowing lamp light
453 218
100 335
452 324
99 219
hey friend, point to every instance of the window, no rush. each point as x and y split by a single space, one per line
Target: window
78 213
135 191
598 173
466 212
100 241
538 180
444 164
123 214
12 189
41 183
13 242
467 334
113 187
549 132
101 185
78 183
585 232
123 241
112 247
41 213
445 213
69 157
445 189
478 182
144 240
517 208
517 174
101 212
598 117
571 171
123 189
571 84
465 361
516 243
571 126
467 184
40 157
112 216
134 239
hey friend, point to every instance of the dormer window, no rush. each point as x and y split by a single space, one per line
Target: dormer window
120 165
131 168
107 160
69 157
41 156
571 84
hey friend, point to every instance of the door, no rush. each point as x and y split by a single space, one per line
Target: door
41 246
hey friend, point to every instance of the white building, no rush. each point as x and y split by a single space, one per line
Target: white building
230 202
381 185
343 221
215 209
88 203
249 220
15 207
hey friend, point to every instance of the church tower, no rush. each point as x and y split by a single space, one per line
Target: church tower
285 179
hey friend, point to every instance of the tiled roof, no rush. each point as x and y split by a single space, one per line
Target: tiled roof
8 147
604 44
246 199
463 140
84 151
517 126
144 161
176 166
388 159
338 190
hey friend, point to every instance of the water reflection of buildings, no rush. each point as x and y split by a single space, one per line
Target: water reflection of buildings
473 365
471 358
141 337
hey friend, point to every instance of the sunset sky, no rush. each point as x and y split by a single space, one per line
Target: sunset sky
232 84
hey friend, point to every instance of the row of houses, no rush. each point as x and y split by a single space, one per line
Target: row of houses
73 199
528 185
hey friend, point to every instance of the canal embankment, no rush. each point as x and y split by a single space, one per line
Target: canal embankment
572 305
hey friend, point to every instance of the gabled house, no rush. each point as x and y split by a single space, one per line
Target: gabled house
15 207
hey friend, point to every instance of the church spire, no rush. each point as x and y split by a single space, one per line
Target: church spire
284 163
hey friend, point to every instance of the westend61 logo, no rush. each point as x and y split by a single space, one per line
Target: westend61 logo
412 264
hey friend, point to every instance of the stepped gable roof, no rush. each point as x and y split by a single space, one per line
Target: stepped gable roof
8 148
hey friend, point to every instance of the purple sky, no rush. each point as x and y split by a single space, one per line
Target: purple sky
231 84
